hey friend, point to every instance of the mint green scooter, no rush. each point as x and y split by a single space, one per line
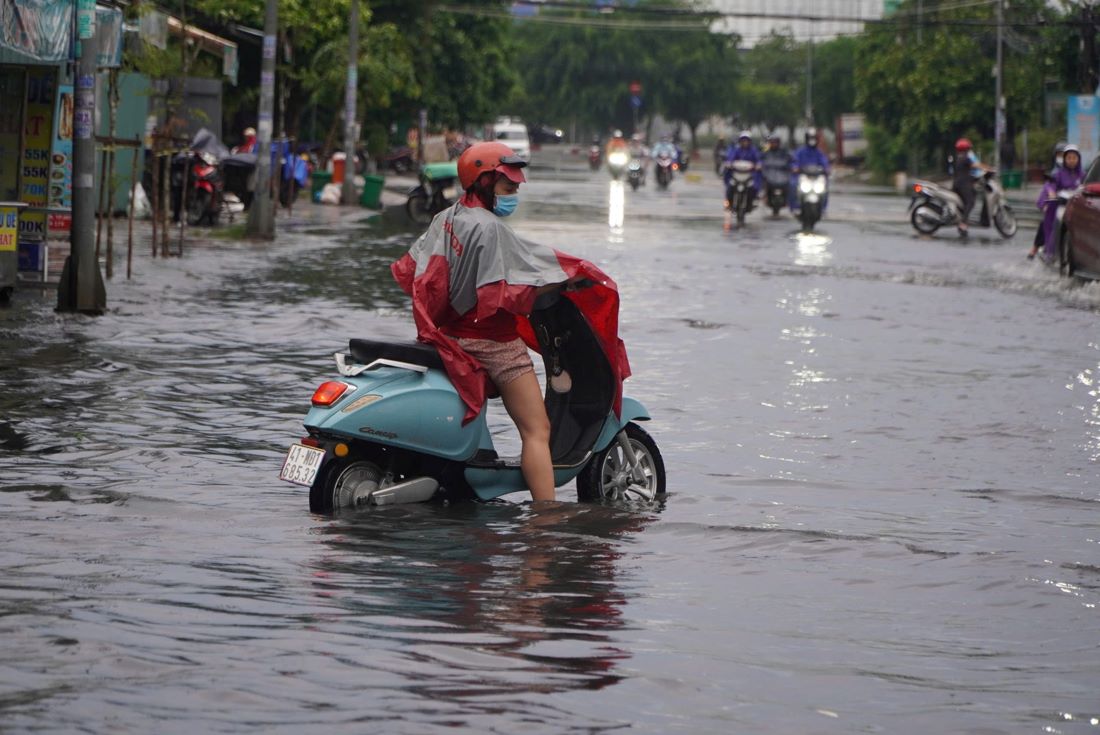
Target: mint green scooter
389 428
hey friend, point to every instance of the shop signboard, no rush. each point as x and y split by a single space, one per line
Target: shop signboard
12 91
1083 125
61 155
34 179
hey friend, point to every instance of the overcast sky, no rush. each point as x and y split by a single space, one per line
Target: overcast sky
752 29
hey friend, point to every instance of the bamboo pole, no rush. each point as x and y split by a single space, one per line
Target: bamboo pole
102 194
133 192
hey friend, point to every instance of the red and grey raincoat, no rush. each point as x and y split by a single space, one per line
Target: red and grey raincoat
470 260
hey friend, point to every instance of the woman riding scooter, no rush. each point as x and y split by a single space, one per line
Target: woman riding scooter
470 287
1065 176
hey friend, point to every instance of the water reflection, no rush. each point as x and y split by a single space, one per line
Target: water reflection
481 600
812 249
1087 379
616 204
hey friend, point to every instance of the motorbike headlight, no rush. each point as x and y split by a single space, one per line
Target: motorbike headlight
805 185
617 158
819 185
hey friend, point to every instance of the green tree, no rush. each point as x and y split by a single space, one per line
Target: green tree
771 89
834 90
693 76
922 90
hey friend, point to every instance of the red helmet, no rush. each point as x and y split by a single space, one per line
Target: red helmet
489 156
963 144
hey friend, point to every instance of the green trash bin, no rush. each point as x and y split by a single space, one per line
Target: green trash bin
371 195
1012 179
317 181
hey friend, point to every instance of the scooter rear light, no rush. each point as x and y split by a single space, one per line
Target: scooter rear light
309 441
917 188
329 392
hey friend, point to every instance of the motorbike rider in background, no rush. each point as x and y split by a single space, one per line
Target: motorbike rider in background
639 152
617 143
743 150
719 155
1055 164
248 144
967 168
807 155
1067 175
664 145
776 158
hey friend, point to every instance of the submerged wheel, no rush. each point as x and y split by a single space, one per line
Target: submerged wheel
607 475
196 208
1065 255
1005 221
809 217
925 220
419 209
343 485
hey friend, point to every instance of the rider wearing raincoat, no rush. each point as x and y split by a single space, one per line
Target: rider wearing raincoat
473 283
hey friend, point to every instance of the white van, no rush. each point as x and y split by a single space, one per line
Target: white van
513 134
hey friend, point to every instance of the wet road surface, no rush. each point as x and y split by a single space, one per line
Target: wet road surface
884 495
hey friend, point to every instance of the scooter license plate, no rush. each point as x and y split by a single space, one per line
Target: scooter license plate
301 464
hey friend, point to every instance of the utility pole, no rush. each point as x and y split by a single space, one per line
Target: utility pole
261 215
999 122
810 78
81 287
351 132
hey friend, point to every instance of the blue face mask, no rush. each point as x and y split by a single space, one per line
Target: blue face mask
506 204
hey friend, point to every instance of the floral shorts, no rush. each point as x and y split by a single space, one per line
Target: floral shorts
504 361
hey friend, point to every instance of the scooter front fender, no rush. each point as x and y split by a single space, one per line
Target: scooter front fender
632 410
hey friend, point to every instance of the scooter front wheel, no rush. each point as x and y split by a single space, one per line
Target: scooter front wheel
609 476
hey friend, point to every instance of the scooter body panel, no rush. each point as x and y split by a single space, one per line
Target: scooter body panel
406 409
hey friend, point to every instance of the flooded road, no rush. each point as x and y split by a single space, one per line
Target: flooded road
883 461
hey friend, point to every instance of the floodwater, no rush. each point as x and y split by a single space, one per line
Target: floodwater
883 515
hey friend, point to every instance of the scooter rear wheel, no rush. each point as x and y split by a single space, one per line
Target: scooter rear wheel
419 209
925 219
1005 221
343 484
607 476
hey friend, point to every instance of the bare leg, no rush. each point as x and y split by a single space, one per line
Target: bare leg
523 400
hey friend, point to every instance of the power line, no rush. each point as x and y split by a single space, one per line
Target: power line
607 21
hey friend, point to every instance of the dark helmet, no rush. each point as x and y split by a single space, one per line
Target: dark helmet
811 136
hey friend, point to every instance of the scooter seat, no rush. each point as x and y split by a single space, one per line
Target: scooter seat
366 351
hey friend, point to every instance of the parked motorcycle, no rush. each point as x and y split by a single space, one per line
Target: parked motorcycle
813 188
682 160
435 192
196 181
389 429
595 157
740 189
776 184
239 177
635 173
616 163
399 160
934 206
665 167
